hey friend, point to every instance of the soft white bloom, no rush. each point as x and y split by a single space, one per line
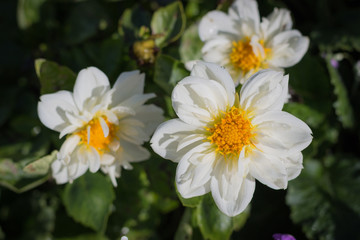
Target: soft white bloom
105 126
223 141
244 44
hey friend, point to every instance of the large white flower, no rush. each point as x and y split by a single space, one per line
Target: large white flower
244 45
105 127
223 142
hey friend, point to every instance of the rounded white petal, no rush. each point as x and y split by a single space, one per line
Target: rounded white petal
68 147
280 133
167 137
268 169
127 85
265 90
278 21
194 170
218 50
151 116
293 164
214 23
217 73
133 152
53 107
59 172
197 101
90 82
246 11
231 188
288 48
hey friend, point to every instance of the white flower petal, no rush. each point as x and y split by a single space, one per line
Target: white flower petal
107 159
68 146
197 101
231 189
151 116
59 172
279 20
246 11
280 133
127 85
166 138
288 48
265 90
104 127
194 179
293 164
136 101
134 152
90 82
214 23
268 169
53 107
214 72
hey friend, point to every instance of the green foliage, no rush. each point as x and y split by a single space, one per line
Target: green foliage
213 223
168 71
190 47
28 12
342 105
323 195
168 23
88 200
48 42
54 77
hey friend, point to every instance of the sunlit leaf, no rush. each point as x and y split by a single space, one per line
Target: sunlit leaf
88 200
54 77
42 165
190 47
342 105
28 12
168 23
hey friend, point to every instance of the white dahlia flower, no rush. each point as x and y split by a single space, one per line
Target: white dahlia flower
105 126
244 45
223 141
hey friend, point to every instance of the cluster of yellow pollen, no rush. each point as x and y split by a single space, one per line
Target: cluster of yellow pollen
243 57
231 132
92 134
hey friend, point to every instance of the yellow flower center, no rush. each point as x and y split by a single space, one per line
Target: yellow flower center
243 57
92 134
231 132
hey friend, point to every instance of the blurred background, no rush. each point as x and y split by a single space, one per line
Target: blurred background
44 44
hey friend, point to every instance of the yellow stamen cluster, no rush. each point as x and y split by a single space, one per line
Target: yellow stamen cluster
231 132
92 134
243 57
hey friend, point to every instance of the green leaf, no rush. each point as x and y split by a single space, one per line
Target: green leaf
131 22
42 165
168 23
54 77
301 79
168 71
14 178
28 12
88 200
213 223
189 202
342 105
190 46
326 193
